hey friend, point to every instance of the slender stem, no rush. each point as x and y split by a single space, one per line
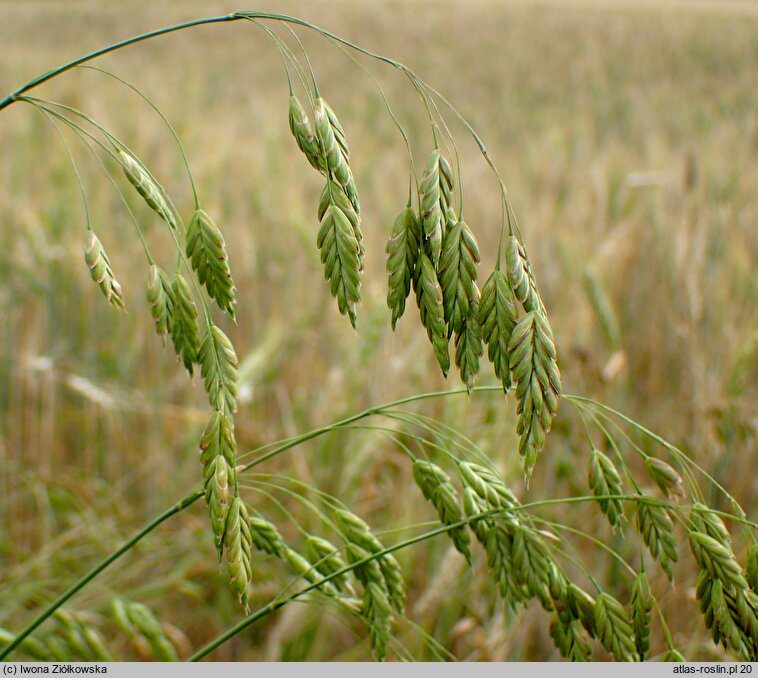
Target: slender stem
105 50
72 590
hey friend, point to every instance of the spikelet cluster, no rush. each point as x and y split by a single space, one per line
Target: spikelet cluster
728 604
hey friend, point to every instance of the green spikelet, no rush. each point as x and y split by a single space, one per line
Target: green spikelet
99 266
340 255
183 326
436 203
614 628
429 301
641 605
304 135
532 359
146 185
331 137
468 344
237 550
497 318
334 194
207 253
521 277
657 531
160 296
402 251
457 274
327 560
218 368
139 621
217 454
604 480
266 537
437 488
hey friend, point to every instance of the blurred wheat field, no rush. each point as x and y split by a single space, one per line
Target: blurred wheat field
628 139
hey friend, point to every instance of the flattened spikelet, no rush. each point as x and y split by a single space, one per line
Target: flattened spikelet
657 532
341 256
604 480
327 560
641 605
706 521
146 185
160 296
468 345
521 277
334 194
402 250
531 562
429 301
487 485
497 318
99 266
218 449
437 488
183 326
717 559
569 638
332 141
237 550
207 253
457 274
614 630
304 135
266 537
532 359
665 477
436 203
218 368
752 567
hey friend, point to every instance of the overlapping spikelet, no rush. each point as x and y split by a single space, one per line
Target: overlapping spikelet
183 326
436 203
152 192
403 249
332 141
498 317
532 359
340 251
160 296
100 269
429 302
218 368
304 134
207 252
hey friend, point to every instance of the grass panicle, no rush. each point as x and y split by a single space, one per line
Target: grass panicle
614 628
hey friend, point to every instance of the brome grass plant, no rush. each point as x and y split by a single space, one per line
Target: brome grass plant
592 586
